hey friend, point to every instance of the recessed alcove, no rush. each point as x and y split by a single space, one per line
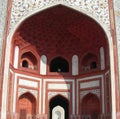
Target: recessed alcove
28 60
64 32
71 58
59 64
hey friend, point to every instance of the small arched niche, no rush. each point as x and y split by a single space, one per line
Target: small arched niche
28 60
89 62
59 64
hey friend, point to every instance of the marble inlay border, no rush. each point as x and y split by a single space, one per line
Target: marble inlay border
3 13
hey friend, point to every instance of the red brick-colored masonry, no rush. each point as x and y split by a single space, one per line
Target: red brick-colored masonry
4 40
23 27
114 43
113 33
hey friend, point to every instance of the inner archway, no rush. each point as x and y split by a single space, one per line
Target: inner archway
64 32
59 64
27 106
90 107
59 107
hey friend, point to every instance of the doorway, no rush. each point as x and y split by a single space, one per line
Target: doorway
27 106
59 108
90 107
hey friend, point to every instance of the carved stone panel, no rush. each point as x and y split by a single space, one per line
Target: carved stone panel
65 94
3 13
97 8
24 90
117 25
95 91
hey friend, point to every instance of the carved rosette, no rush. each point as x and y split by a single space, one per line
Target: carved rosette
98 8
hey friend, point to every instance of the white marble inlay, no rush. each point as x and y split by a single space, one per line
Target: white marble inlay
22 91
102 58
53 94
58 86
21 8
75 65
43 65
28 83
94 91
16 56
89 84
3 20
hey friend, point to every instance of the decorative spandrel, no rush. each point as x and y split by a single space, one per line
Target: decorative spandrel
97 8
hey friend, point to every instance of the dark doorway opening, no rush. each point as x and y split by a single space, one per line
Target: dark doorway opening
59 101
27 106
59 64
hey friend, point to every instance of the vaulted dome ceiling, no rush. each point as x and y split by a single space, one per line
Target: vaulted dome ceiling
61 30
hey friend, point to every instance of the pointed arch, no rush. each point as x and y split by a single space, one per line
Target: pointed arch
75 65
29 94
7 58
59 64
90 106
26 105
43 65
59 101
29 60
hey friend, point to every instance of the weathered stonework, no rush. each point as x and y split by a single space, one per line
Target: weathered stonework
99 8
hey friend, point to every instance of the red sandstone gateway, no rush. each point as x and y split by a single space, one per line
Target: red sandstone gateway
60 68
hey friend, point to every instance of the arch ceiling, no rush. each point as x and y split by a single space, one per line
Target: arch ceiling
61 30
